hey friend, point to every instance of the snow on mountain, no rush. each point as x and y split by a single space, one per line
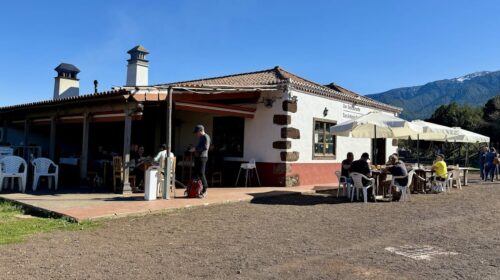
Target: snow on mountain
471 76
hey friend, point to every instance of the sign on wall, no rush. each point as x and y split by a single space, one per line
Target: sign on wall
351 111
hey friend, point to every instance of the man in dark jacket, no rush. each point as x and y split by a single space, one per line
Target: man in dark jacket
201 156
361 166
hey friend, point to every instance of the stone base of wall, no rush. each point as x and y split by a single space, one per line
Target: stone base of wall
315 173
297 174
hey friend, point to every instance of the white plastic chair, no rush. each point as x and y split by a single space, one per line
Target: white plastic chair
9 168
343 183
251 165
405 190
357 180
449 181
442 186
455 177
41 168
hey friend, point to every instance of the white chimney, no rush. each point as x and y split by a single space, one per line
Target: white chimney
137 69
66 83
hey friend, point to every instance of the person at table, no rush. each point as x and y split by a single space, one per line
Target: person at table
482 160
489 165
440 169
161 153
140 160
361 166
395 167
346 165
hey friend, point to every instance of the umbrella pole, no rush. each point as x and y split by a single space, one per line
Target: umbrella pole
375 145
454 153
467 155
418 150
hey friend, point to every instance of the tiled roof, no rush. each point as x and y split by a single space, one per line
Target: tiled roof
67 100
278 75
274 76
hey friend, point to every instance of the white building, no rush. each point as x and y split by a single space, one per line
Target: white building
273 116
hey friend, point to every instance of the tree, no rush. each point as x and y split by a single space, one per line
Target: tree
491 116
491 110
454 115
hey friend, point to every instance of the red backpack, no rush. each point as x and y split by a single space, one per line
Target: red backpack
194 188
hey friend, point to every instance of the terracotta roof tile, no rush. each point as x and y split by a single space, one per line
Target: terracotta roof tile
278 75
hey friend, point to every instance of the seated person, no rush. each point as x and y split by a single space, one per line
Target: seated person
161 153
346 165
441 170
140 164
100 159
361 166
396 168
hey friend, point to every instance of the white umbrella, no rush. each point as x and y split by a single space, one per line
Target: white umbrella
433 132
465 136
376 125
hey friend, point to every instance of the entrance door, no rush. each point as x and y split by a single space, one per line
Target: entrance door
378 151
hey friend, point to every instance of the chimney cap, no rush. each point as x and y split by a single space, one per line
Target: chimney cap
138 48
66 67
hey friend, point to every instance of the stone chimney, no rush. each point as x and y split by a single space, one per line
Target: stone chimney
137 69
66 83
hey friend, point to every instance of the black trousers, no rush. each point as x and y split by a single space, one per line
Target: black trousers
200 164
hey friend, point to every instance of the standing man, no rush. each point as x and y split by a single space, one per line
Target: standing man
482 160
201 156
489 164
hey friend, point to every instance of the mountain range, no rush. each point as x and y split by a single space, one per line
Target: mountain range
419 102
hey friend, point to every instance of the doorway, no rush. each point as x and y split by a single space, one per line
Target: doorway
378 151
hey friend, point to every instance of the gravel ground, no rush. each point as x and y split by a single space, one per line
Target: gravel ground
292 237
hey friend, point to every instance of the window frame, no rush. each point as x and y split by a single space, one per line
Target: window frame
325 156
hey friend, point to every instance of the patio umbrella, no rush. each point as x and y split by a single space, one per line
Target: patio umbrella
431 132
376 125
465 136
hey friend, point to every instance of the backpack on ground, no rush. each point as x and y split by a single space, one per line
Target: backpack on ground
194 188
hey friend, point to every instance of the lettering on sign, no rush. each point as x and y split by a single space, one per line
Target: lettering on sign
351 111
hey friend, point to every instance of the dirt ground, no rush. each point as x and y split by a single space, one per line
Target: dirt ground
435 236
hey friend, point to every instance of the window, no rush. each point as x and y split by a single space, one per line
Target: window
228 136
324 142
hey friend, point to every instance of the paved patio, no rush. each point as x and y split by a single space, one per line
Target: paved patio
92 206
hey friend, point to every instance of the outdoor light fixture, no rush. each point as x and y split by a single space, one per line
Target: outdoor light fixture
268 102
139 108
325 112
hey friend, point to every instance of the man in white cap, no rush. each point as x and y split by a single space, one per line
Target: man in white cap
201 156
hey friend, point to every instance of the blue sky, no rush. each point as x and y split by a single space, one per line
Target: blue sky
366 46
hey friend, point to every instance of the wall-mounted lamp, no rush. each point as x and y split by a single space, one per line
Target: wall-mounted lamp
325 112
139 109
268 102
291 98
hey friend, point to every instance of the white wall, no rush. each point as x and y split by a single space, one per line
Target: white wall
261 132
310 107
64 87
137 74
